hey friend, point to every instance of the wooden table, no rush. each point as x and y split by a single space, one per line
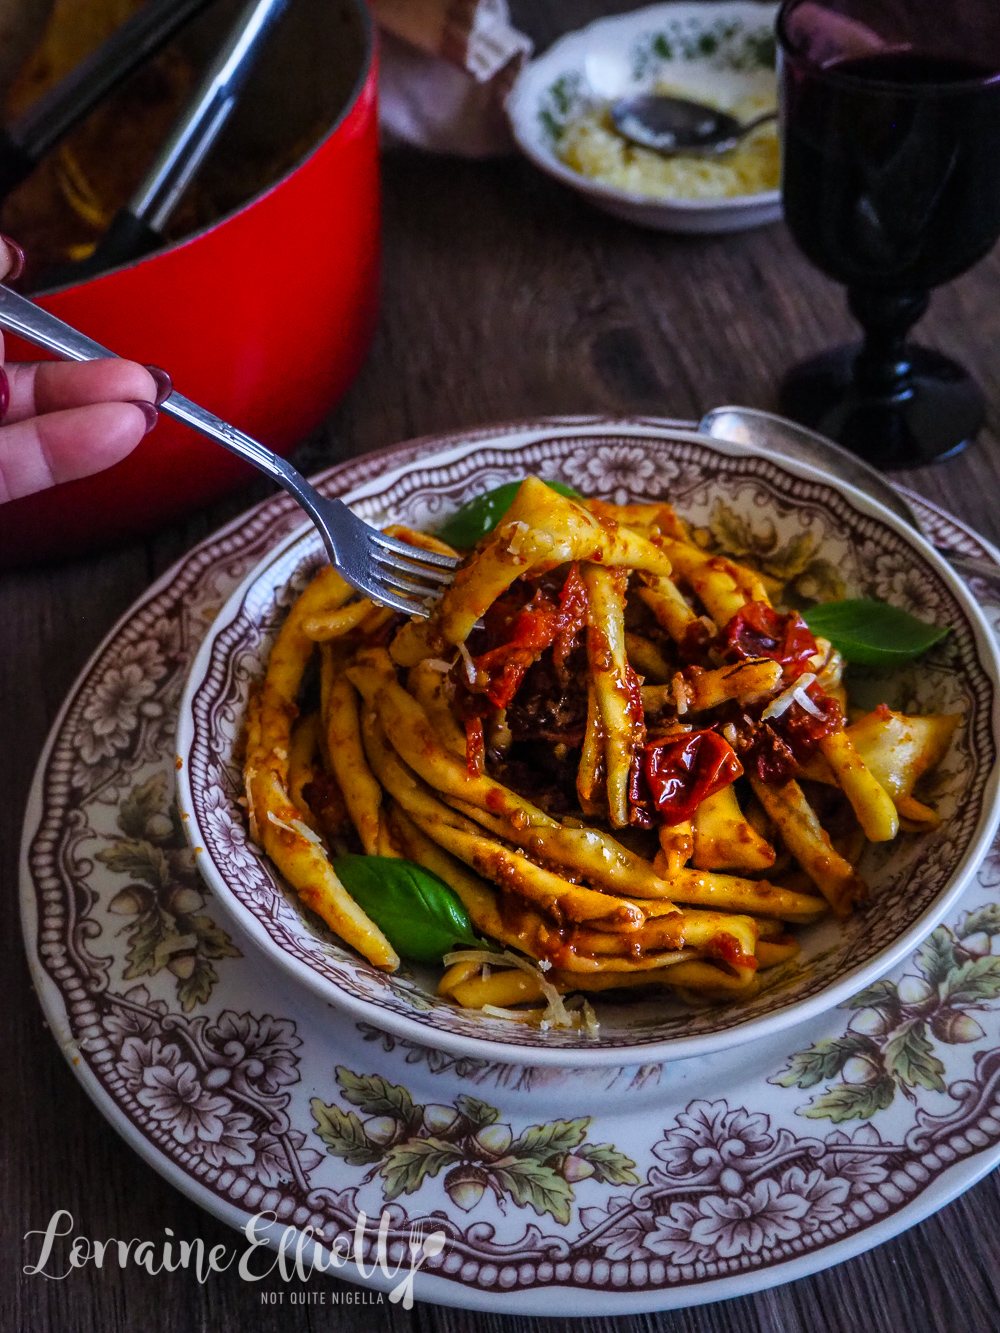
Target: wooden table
504 297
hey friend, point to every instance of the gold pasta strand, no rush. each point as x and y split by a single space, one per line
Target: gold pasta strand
540 531
430 688
723 586
276 822
590 775
896 749
477 896
621 871
609 677
689 929
426 541
724 839
669 606
750 896
301 770
645 657
810 845
515 873
587 852
304 864
362 794
335 624
772 952
676 844
870 801
649 520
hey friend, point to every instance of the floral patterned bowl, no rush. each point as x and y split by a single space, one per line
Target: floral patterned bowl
799 525
717 51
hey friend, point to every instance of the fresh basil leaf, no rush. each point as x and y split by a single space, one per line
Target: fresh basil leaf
480 516
418 913
872 633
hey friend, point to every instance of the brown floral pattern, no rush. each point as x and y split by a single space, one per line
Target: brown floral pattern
799 529
732 1184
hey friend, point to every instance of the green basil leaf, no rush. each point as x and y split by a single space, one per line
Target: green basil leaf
480 516
872 633
418 913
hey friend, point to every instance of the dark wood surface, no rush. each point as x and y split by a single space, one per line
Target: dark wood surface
504 297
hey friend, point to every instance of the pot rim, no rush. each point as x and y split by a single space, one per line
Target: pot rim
364 75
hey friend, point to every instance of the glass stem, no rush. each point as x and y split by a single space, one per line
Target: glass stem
882 368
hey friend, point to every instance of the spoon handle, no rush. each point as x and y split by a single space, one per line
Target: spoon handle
762 119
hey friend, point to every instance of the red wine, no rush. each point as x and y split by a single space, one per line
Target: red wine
891 172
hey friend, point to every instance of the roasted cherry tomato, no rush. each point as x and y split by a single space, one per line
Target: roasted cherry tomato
682 771
774 751
757 630
538 625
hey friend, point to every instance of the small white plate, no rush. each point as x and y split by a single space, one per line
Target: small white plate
719 50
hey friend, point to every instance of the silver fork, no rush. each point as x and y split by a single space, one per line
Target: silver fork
392 572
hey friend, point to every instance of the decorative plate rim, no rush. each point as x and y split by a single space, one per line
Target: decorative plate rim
522 102
500 437
968 1165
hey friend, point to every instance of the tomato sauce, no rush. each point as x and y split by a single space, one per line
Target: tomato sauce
527 632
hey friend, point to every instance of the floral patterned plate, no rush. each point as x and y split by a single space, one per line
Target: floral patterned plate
603 1191
791 520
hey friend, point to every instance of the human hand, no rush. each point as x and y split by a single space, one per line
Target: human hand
62 419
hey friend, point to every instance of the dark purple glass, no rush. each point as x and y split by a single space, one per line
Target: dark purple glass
891 185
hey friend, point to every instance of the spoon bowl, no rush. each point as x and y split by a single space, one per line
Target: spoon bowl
676 125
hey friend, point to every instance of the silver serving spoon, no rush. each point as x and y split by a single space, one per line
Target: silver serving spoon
774 434
672 125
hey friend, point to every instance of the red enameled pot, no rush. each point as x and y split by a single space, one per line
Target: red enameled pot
265 318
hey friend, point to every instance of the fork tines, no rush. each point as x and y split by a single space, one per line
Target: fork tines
407 577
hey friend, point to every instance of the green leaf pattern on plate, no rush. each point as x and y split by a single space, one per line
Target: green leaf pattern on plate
889 1043
162 905
406 1144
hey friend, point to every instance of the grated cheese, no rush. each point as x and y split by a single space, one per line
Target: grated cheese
794 694
518 1015
803 701
518 531
296 826
470 666
437 664
555 1010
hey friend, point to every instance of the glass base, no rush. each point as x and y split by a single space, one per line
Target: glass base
937 414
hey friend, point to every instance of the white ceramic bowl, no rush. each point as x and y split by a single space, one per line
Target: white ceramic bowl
914 880
720 49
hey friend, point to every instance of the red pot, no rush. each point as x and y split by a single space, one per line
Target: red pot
264 318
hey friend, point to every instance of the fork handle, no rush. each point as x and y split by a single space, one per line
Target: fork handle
38 326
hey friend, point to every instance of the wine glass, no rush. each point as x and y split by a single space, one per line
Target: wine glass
890 113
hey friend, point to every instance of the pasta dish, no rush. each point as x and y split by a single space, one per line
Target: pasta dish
604 761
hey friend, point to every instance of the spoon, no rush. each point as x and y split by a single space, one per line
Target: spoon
672 125
774 434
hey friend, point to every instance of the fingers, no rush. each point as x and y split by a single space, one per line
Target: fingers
55 386
11 266
61 446
11 259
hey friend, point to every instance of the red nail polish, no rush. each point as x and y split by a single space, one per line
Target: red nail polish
148 411
164 384
17 268
4 393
